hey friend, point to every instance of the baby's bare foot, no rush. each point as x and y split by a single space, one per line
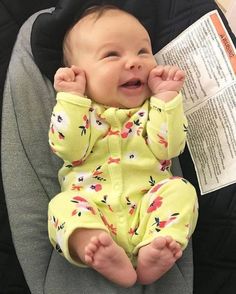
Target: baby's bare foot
110 260
156 258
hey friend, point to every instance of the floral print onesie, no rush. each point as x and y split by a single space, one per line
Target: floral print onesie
116 173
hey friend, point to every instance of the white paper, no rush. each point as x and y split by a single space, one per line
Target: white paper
207 55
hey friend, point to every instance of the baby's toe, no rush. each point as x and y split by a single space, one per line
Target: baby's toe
105 239
159 243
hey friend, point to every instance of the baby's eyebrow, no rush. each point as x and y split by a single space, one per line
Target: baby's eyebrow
115 46
108 44
147 40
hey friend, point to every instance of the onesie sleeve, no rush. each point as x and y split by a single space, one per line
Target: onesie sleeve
69 132
166 128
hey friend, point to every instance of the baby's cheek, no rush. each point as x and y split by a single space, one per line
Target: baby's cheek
153 63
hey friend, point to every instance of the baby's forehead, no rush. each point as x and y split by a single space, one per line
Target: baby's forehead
101 24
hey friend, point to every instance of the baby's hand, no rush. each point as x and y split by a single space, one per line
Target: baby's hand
166 81
70 79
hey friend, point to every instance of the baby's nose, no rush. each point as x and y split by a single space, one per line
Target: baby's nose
134 64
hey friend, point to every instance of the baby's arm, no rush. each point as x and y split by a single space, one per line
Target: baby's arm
69 134
166 81
167 124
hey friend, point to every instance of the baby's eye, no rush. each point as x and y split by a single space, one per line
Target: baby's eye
111 54
143 51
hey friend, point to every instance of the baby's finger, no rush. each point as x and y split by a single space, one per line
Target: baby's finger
76 69
179 75
79 73
166 72
156 71
64 74
171 72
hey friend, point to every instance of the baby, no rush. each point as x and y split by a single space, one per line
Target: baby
117 123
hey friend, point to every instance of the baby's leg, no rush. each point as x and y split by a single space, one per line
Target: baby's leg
169 209
156 258
97 249
94 247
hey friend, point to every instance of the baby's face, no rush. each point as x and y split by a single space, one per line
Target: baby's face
115 53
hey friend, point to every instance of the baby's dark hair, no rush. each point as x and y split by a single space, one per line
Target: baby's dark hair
98 10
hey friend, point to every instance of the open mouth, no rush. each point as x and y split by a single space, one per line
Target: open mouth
132 84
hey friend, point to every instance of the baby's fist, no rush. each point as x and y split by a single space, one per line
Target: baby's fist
166 79
70 79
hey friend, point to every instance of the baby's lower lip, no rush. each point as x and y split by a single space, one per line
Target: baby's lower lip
131 86
132 89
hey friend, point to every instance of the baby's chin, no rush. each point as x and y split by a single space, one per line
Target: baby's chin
121 101
133 103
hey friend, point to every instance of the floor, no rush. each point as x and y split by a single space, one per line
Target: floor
229 8
224 4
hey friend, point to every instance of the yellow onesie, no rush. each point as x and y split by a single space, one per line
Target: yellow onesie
116 173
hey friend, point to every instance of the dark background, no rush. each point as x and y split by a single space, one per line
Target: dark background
214 241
